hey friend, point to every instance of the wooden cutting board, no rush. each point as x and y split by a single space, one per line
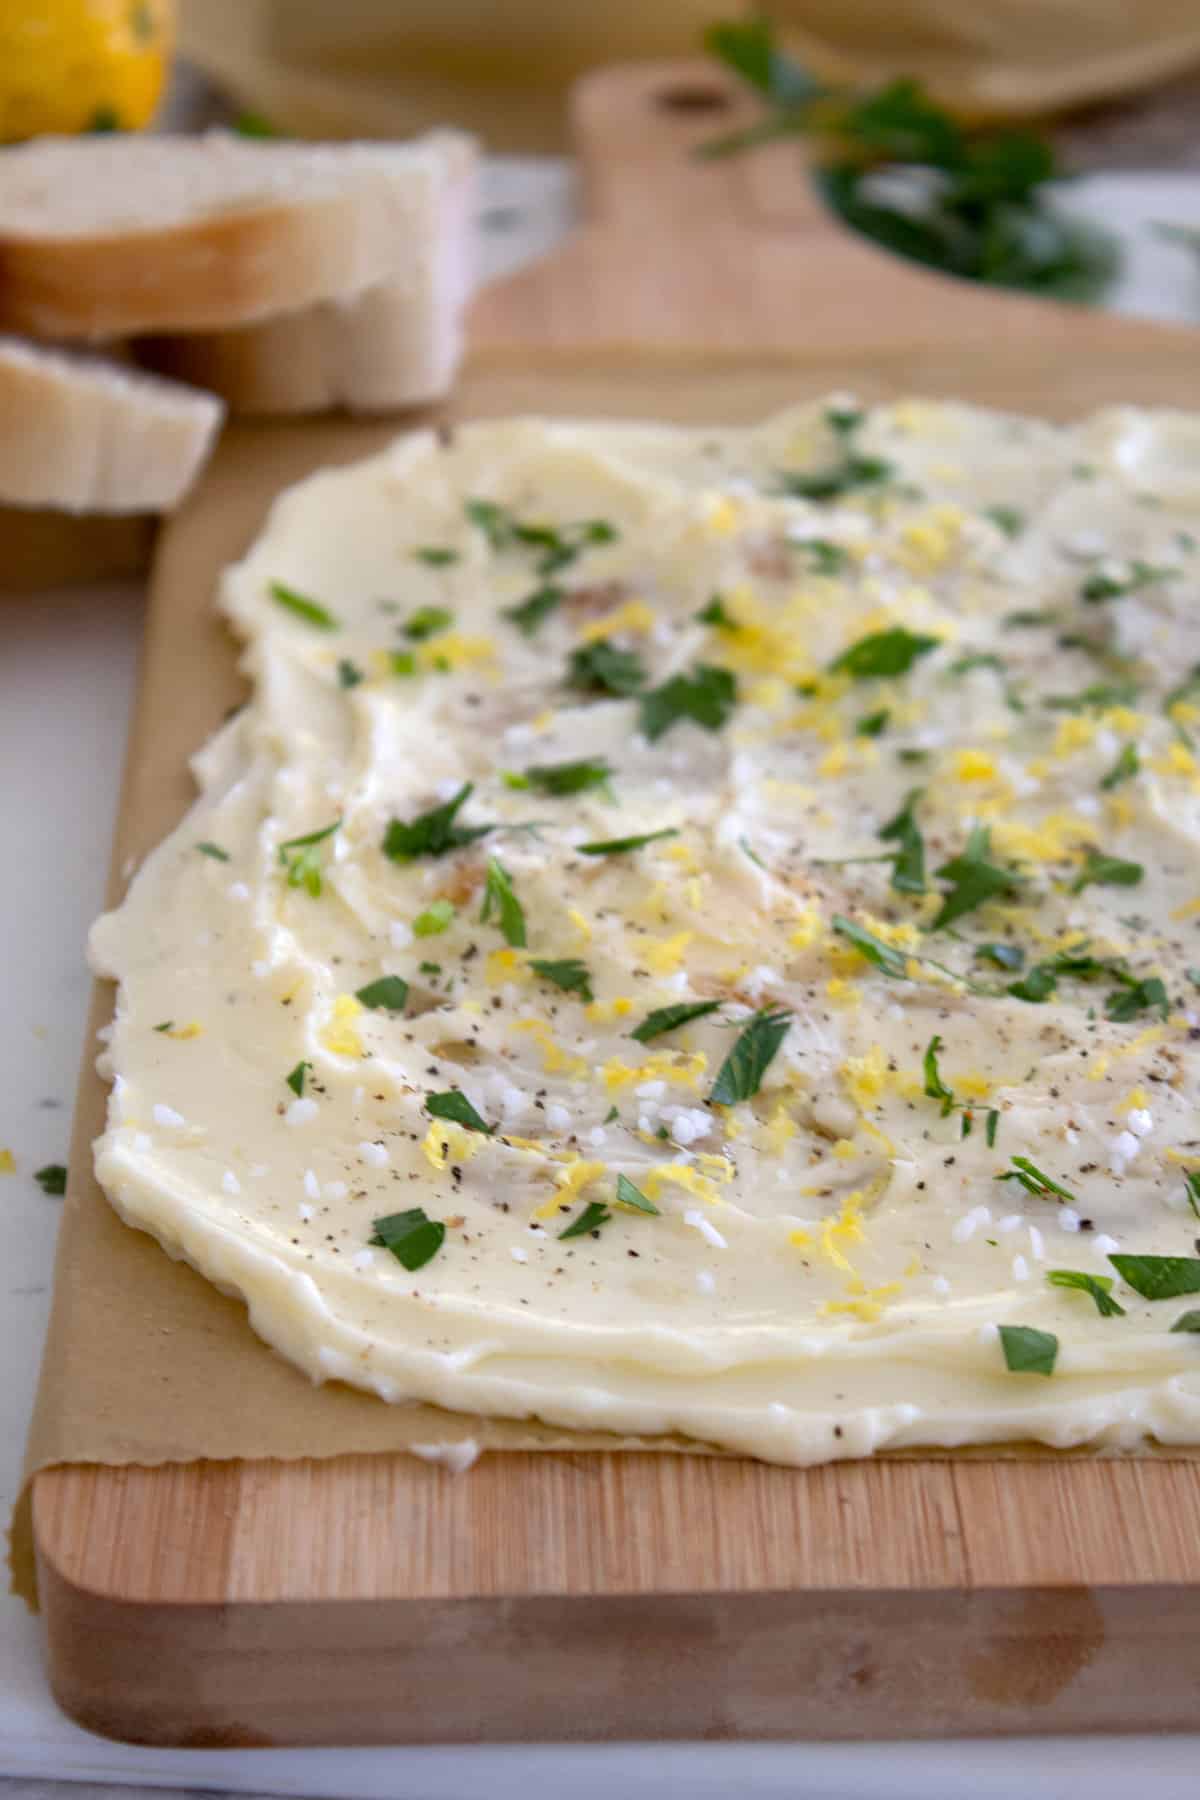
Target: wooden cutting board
376 1599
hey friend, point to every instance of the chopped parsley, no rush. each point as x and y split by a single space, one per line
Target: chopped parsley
1098 1286
1159 1277
1188 1321
557 545
436 555
1104 585
301 857
434 920
993 1121
303 607
427 622
570 974
296 1079
706 695
165 1026
1191 1185
873 725
52 1179
1027 619
349 674
1006 519
973 879
1127 765
1136 997
1035 1181
594 1215
455 1106
977 659
714 614
882 653
1036 986
827 558
412 1237
670 1018
402 662
1106 871
1028 1351
602 668
884 956
568 777
498 897
631 1196
1005 956
935 1087
619 846
214 850
388 994
851 469
1096 698
432 833
908 868
740 1075
533 611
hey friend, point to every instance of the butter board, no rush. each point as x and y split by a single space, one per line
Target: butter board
591 1593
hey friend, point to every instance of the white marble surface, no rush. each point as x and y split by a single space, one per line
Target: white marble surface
67 669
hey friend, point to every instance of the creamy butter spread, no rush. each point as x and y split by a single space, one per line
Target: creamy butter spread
902 707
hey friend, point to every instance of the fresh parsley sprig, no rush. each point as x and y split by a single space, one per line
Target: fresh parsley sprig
301 857
499 897
412 1237
433 833
740 1075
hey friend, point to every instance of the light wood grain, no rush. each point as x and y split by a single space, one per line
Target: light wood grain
597 1595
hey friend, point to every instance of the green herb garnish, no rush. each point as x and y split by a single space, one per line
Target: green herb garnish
884 956
594 1215
311 611
1159 1277
570 974
568 777
1102 586
1098 1286
52 1179
296 1079
714 614
1127 765
993 1121
827 558
631 1196
433 833
455 1106
1035 1181
436 555
388 994
1006 519
1136 997
1028 1351
402 663
1097 698
427 622
1106 871
1005 956
619 846
670 1018
602 668
498 897
740 1075
559 545
873 725
1188 1321
349 674
908 869
535 610
434 920
214 850
843 477
935 1087
706 695
301 857
412 1237
882 653
974 880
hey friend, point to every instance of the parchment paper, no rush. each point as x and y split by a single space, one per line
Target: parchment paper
145 1362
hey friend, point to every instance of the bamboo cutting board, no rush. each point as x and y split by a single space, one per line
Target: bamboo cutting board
600 1594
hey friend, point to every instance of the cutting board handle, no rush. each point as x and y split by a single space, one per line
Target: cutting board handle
637 129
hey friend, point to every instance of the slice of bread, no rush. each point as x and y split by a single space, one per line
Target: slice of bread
113 236
88 453
396 344
82 436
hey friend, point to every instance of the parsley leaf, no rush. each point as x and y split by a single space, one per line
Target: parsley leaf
993 1120
432 833
618 846
1188 1321
1006 519
884 956
881 653
1098 1286
1034 1181
1105 585
707 695
873 725
740 1075
714 614
935 1087
1036 986
301 858
1134 998
569 777
594 1215
559 545
908 870
974 880
602 668
296 1079
388 994
426 622
214 850
977 659
1127 765
670 1018
1106 871
311 611
413 1238
436 555
1005 956
1159 1277
827 558
455 1106
349 674
631 1196
570 974
1191 1184
52 1179
498 895
535 610
850 472
1028 1351
434 920
402 662
1097 698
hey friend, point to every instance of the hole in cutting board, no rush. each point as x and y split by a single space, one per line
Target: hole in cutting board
694 99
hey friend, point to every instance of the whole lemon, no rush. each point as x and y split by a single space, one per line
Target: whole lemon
81 65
